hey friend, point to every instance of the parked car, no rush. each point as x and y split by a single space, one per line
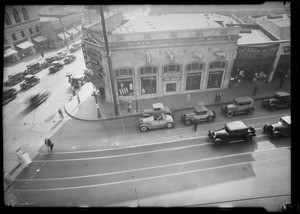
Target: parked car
69 58
240 105
33 68
200 113
55 66
157 108
75 48
281 128
14 79
281 99
8 95
233 132
39 98
76 80
51 59
29 81
61 54
156 121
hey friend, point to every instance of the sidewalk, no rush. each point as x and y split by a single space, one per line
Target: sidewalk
86 110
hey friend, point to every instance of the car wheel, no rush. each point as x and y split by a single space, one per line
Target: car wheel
249 111
248 138
210 118
272 108
275 136
229 114
169 125
144 128
188 122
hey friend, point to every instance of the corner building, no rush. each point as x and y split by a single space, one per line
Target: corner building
155 56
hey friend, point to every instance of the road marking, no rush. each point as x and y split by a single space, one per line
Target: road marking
153 167
148 178
138 153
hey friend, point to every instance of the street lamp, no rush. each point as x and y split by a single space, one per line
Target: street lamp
95 94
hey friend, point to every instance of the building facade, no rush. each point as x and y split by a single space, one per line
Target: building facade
21 26
154 63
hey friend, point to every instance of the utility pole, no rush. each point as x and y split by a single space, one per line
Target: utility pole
109 62
63 31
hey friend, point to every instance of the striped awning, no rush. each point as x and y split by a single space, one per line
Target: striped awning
8 52
40 38
61 35
72 31
25 45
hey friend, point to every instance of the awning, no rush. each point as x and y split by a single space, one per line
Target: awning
72 31
40 39
61 35
79 27
9 52
25 45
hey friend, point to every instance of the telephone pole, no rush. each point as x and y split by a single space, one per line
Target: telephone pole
109 62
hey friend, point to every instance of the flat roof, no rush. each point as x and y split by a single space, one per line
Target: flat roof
256 36
236 125
170 22
243 99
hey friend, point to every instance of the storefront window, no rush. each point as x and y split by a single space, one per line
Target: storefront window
172 68
170 87
215 79
125 86
148 84
193 81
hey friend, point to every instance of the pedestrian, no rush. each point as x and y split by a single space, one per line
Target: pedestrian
73 90
20 156
129 106
254 90
195 124
216 97
49 143
219 97
42 54
60 113
78 99
281 83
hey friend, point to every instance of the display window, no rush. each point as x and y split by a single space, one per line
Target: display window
215 79
193 81
125 86
148 79
171 86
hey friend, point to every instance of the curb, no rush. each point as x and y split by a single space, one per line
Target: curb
139 114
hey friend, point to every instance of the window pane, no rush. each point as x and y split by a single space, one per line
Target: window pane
178 67
189 67
214 79
129 71
148 70
171 67
142 71
201 67
117 73
170 87
195 66
123 71
223 64
211 66
148 85
125 86
217 65
193 81
166 69
154 70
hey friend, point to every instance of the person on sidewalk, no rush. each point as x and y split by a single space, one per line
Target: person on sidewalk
281 83
254 90
60 113
129 106
20 153
42 54
219 97
49 143
78 99
195 124
216 97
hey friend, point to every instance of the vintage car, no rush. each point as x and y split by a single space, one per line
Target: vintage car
14 79
155 122
39 98
34 67
233 132
8 95
200 113
281 128
76 80
281 99
69 58
61 54
240 105
75 48
51 59
29 81
157 108
56 66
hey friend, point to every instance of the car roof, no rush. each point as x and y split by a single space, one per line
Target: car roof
28 76
281 94
199 106
243 99
55 62
287 119
157 105
236 125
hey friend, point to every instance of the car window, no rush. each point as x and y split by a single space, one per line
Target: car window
241 104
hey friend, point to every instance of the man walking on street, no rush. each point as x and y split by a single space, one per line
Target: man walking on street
49 143
195 124
216 97
78 99
60 113
42 54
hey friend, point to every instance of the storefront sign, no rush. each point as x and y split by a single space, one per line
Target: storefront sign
257 52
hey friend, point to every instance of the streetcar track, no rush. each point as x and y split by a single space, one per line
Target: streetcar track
148 178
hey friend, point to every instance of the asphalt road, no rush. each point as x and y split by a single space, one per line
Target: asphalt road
183 171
